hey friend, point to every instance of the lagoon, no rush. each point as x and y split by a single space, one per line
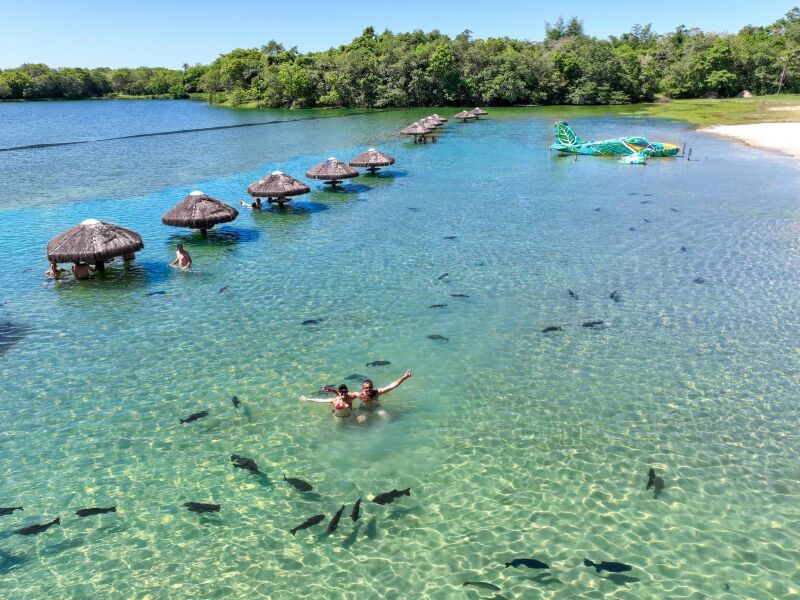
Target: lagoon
514 443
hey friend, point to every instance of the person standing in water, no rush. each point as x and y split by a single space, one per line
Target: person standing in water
182 258
344 398
369 395
342 402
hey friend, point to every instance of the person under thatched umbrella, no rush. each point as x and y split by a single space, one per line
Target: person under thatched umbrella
276 187
373 160
477 112
464 116
95 242
331 171
199 211
418 130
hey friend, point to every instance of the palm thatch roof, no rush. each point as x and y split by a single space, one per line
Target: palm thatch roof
199 211
464 115
441 119
372 159
331 170
277 185
415 129
477 111
431 122
93 242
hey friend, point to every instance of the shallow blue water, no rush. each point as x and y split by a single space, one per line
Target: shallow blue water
514 442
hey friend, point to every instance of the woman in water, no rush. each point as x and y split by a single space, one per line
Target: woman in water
342 401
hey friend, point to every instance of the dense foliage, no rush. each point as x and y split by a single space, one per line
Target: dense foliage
432 69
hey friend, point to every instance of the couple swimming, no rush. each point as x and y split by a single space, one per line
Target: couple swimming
343 401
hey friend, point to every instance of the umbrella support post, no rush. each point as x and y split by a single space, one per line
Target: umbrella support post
100 265
204 232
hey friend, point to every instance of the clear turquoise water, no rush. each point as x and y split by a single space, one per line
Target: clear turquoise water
515 443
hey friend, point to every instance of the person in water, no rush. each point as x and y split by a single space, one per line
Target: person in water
182 258
254 205
369 395
81 270
342 401
53 272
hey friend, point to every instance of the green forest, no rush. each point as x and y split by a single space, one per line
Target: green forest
381 70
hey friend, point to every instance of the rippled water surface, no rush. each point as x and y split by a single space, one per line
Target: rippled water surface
514 443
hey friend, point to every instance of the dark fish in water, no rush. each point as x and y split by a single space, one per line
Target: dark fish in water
88 512
646 220
356 377
200 507
592 323
223 288
332 526
655 482
389 497
9 510
615 296
683 249
459 296
301 485
443 276
597 209
551 329
573 295
437 305
415 209
651 476
438 337
378 363
632 229
310 322
673 209
632 194
645 202
482 584
194 417
611 567
647 194
699 280
235 401
450 237
356 514
309 522
531 563
159 293
37 529
247 464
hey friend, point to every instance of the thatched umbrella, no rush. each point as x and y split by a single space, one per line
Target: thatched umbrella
441 119
431 122
372 159
331 171
416 129
277 187
477 112
199 211
464 116
93 242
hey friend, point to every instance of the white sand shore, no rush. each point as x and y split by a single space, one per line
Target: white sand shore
784 137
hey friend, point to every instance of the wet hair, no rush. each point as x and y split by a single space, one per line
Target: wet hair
343 389
367 381
179 246
373 392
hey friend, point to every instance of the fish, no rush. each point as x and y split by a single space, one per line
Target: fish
158 293
309 522
673 209
615 296
651 475
414 208
222 289
531 563
698 280
200 507
632 194
459 296
334 524
597 209
235 401
482 584
683 249
37 529
88 512
438 337
450 237
551 329
301 485
611 567
645 202
573 295
646 220
632 229
355 377
310 322
9 510
592 323
194 417
437 305
247 464
655 482
378 363
443 276
647 194
389 497
356 514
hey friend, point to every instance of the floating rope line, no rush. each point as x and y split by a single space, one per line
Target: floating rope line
195 130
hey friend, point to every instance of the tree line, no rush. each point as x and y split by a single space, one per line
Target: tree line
432 69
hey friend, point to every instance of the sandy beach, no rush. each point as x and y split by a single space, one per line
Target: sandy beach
784 137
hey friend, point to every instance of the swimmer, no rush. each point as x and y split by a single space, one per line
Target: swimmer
254 205
369 395
342 402
182 258
54 272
